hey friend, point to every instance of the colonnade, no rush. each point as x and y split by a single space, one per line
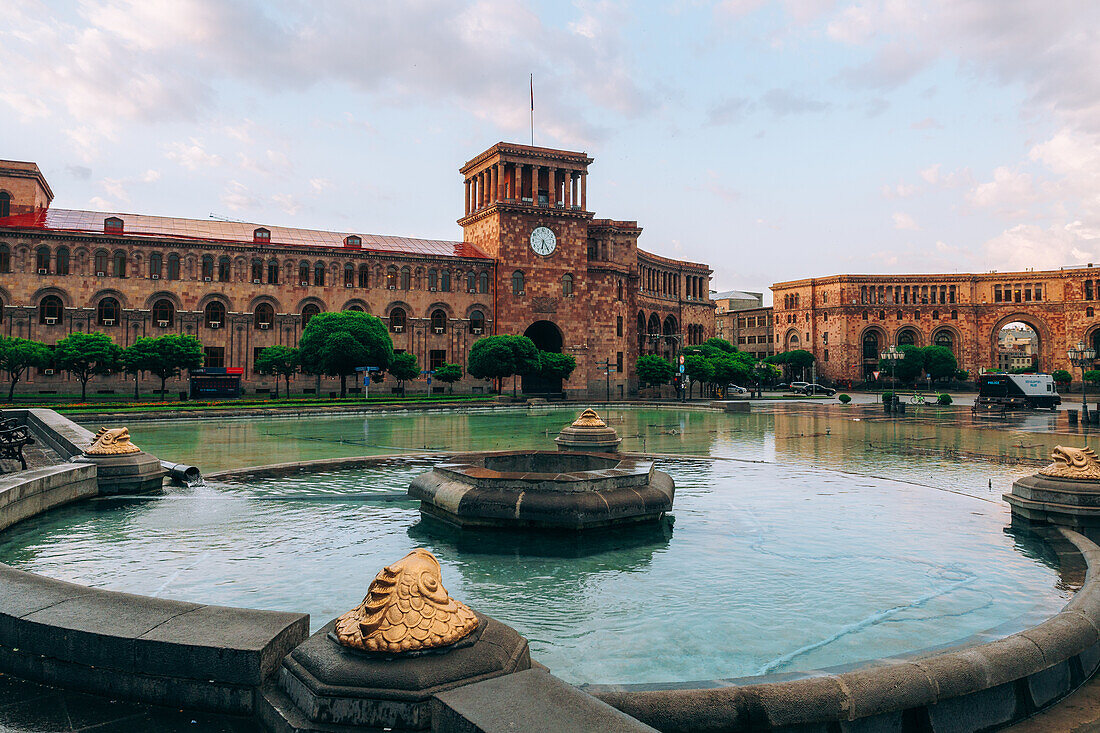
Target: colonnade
521 182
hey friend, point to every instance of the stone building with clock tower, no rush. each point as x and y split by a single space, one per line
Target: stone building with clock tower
572 282
533 260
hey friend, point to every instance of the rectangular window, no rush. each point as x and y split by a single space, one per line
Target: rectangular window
996 293
618 325
256 354
740 339
825 337
214 356
436 358
826 355
1038 292
619 362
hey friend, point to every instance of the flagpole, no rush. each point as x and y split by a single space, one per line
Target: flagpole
532 110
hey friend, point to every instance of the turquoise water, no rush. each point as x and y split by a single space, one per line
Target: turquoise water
772 563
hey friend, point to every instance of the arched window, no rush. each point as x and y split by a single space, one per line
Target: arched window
907 338
118 262
619 290
62 260
935 315
439 321
397 320
1090 312
517 283
264 316
433 279
163 313
50 310
406 278
364 276
309 312
483 281
899 315
101 260
214 314
273 272
944 339
471 282
223 269
173 266
349 275
391 277
567 285
42 260
257 269
156 263
208 267
477 322
108 312
303 273
5 258
870 345
866 315
445 281
356 308
5 203
882 315
319 274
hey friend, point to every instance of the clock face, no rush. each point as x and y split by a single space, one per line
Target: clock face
543 241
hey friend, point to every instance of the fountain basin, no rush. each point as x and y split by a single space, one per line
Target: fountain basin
543 489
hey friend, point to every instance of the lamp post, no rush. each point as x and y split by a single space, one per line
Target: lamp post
892 354
1082 356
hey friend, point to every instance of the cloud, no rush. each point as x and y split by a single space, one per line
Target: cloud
900 190
192 155
79 172
904 222
728 111
927 123
787 102
287 203
237 197
1027 245
319 185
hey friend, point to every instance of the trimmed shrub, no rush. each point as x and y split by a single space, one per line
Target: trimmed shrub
844 399
887 396
944 399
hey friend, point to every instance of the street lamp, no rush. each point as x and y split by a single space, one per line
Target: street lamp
892 354
1082 356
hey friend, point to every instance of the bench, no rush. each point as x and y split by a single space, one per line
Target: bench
12 442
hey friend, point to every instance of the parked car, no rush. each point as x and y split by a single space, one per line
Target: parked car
798 386
734 389
812 389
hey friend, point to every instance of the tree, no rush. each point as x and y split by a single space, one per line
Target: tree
163 356
907 368
281 361
84 355
796 362
733 369
698 368
404 367
653 370
498 357
1061 377
939 362
448 374
336 343
721 344
1092 375
17 355
556 366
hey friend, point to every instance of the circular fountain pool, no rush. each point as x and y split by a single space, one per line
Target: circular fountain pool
767 567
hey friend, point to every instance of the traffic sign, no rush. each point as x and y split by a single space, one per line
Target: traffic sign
876 374
681 361
366 369
681 369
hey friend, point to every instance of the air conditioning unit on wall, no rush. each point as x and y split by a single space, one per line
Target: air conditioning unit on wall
215 324
398 329
155 276
438 329
475 330
43 271
162 324
265 326
50 321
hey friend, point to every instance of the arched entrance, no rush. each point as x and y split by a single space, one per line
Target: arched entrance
1018 345
872 344
547 337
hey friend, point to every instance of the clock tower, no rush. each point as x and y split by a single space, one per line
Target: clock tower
526 207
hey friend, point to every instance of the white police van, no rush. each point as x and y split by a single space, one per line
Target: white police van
1027 391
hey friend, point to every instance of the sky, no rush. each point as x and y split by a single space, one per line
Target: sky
771 140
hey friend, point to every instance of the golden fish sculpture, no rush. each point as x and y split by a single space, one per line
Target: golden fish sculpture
406 609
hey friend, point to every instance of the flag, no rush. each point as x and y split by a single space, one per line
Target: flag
532 92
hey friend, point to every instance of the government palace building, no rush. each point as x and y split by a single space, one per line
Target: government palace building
847 320
533 260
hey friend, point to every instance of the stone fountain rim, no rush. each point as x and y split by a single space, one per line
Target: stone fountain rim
625 466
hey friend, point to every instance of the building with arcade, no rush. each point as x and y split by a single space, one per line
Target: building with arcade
533 259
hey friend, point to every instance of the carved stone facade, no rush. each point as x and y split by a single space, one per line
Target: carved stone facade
241 287
846 320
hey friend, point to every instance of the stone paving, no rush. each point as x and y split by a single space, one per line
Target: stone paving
26 707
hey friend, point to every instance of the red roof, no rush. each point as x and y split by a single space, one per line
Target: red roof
91 222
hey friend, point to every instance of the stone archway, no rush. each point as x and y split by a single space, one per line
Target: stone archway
872 342
1041 348
547 337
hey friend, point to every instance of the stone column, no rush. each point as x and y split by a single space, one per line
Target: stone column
536 173
466 201
551 187
584 191
500 181
481 190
